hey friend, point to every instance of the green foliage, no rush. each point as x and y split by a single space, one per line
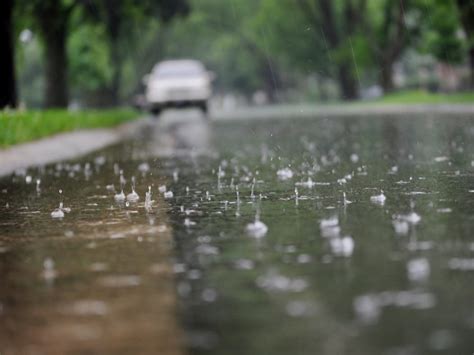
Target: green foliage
101 38
89 59
250 44
30 73
227 42
22 126
293 38
425 97
441 32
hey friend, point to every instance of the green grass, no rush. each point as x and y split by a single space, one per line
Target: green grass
23 126
425 97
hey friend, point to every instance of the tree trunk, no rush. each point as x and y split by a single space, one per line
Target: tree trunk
116 61
7 62
56 69
471 65
347 83
270 80
466 13
113 25
53 19
386 77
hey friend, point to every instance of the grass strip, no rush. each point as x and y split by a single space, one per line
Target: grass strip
23 126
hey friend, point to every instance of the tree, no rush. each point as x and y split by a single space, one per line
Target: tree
338 22
390 34
119 18
355 39
234 44
297 45
51 18
440 33
466 12
8 96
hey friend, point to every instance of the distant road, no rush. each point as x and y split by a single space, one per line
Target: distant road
356 109
72 144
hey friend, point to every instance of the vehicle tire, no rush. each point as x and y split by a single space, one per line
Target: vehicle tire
204 109
155 111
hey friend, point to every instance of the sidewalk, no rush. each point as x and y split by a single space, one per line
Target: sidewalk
63 146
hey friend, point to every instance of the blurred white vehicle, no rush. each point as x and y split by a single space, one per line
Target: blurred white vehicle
178 83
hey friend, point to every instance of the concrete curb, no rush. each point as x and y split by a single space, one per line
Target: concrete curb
64 146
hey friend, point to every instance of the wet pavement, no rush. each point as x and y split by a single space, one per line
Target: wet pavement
340 235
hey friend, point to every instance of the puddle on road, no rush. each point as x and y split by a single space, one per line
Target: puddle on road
95 280
346 235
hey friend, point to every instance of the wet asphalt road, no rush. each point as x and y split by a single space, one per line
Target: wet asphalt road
339 270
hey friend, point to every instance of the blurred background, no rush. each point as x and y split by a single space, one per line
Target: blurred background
94 53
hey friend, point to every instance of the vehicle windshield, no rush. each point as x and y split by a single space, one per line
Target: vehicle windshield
177 70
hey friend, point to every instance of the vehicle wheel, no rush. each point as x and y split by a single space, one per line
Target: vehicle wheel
204 109
156 111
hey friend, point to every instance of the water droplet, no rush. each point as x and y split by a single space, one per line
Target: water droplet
378 199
